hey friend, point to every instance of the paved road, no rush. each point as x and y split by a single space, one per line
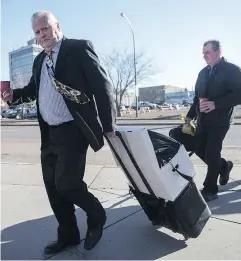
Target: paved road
32 133
21 144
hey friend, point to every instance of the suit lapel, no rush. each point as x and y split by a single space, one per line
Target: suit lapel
38 68
60 63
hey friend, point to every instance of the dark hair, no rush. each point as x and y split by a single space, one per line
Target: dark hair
215 44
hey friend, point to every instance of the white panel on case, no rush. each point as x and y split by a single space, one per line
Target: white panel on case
164 182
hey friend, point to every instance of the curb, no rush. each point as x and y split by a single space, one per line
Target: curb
118 124
96 166
160 123
17 125
149 123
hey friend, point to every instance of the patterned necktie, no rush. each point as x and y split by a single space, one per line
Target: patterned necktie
50 64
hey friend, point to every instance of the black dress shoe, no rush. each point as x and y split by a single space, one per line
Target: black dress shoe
59 246
225 172
94 235
208 196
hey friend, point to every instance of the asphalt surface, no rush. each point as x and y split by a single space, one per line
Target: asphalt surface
28 223
21 144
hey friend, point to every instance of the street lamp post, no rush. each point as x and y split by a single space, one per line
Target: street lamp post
134 48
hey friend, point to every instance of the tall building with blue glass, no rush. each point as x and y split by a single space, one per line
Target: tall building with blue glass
21 62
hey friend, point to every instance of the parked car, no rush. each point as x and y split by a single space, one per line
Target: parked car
123 107
187 102
9 114
149 104
3 112
142 105
26 113
166 106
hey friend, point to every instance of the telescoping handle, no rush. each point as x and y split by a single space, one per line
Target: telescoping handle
118 134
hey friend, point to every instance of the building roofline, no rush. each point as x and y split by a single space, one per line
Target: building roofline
25 47
163 85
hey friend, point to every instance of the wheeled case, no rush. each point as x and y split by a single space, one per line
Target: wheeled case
185 212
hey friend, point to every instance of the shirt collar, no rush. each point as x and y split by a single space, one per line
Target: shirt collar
57 46
220 62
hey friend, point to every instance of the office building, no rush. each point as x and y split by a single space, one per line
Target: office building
21 62
163 93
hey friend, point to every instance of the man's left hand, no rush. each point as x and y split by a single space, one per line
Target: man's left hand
110 134
207 106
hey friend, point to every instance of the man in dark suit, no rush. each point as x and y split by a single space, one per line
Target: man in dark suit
68 83
217 91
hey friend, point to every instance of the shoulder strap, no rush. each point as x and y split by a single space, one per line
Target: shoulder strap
175 169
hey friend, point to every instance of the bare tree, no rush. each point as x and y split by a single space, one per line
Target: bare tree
120 68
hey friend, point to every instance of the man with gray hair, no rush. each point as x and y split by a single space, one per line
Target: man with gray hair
217 91
71 90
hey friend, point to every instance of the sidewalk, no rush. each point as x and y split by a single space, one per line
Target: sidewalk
28 223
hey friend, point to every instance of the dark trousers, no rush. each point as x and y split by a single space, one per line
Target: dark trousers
207 145
63 167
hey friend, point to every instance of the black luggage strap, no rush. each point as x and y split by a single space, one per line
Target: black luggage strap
118 134
122 164
175 169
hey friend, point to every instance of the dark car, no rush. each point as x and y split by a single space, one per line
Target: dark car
9 114
30 113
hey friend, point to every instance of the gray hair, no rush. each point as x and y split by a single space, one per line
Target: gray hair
41 14
215 44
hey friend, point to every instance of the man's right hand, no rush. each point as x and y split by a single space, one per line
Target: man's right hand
6 93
